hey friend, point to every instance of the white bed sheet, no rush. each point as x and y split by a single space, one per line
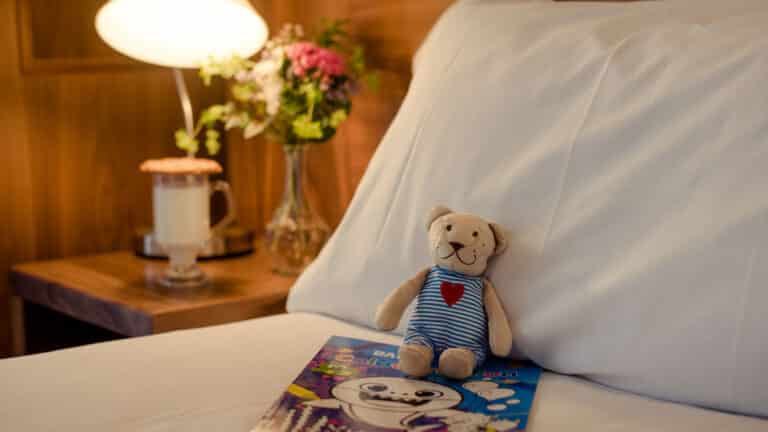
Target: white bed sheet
222 378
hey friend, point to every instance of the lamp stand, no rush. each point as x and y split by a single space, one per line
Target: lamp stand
186 104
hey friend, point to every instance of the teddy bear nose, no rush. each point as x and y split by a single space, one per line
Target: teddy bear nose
456 245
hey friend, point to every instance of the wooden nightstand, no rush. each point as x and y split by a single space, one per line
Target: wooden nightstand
112 291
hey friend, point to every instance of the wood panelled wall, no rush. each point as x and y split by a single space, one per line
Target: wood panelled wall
76 120
391 31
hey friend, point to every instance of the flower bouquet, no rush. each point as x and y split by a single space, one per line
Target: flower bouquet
296 93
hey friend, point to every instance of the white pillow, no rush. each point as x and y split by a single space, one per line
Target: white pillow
626 148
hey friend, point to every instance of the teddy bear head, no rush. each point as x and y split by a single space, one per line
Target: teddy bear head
463 242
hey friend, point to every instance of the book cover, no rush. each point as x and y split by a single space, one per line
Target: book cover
355 385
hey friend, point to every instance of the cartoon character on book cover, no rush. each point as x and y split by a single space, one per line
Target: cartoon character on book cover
354 385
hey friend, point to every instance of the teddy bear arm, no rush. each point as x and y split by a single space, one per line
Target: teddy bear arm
499 330
391 310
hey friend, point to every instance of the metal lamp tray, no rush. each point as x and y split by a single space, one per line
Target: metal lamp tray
231 241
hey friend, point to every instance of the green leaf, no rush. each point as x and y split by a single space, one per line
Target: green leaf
312 92
242 92
291 103
305 128
186 142
212 143
373 80
337 117
225 68
206 76
333 31
357 60
213 114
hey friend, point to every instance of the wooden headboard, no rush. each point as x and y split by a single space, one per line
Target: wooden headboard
391 31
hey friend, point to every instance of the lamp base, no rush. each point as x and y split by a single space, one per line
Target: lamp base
232 241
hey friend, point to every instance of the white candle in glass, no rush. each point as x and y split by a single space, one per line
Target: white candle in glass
181 196
181 210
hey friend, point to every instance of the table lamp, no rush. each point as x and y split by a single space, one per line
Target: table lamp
181 34
184 34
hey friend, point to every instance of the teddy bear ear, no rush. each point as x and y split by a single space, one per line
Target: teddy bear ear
435 213
500 236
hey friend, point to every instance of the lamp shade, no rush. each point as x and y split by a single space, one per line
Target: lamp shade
181 33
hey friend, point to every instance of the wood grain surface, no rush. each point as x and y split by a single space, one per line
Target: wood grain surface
116 291
55 35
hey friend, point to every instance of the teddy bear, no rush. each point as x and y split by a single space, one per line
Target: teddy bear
458 315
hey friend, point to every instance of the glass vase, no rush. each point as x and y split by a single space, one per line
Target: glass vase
296 233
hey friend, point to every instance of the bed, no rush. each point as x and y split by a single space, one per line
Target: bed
224 377
622 145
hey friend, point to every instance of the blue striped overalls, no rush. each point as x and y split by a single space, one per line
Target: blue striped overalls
450 313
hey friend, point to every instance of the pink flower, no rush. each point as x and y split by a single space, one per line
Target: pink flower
323 62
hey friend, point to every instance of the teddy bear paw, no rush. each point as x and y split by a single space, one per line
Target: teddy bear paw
416 360
457 363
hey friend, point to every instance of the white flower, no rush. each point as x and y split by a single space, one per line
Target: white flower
234 121
264 68
265 74
271 89
254 129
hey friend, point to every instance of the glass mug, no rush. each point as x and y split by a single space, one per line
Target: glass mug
181 204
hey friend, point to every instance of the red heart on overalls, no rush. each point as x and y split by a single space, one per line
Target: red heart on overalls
451 292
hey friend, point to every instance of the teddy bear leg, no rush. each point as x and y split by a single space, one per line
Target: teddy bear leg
457 363
415 360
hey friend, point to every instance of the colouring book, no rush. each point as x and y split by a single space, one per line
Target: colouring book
354 385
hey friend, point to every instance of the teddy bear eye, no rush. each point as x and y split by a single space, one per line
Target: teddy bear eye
449 227
474 233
